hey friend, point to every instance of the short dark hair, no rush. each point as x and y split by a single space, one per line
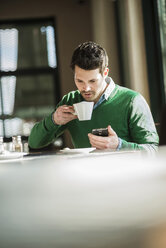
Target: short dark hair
89 56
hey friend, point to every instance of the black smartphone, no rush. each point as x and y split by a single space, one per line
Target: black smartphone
100 131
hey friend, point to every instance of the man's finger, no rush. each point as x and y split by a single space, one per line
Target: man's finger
96 138
110 131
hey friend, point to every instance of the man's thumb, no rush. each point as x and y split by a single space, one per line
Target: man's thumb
110 131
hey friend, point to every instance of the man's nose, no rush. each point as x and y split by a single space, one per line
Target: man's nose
86 87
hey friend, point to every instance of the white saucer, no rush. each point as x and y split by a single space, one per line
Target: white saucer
77 151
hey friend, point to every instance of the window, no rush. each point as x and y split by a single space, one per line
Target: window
162 28
29 85
153 19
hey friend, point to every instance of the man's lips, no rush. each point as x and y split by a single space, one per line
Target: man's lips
87 94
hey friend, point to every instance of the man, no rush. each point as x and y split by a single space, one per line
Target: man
123 111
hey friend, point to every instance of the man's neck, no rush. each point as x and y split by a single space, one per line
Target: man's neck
104 88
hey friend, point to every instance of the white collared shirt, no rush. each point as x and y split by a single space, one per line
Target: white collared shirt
107 92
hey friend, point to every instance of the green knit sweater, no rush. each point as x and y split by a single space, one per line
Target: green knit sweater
125 110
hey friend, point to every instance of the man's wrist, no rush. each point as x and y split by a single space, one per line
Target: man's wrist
120 144
53 118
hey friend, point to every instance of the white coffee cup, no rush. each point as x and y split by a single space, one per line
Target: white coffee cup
83 110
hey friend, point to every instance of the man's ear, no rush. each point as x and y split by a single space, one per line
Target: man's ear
106 72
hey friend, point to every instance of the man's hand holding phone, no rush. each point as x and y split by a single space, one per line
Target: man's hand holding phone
104 138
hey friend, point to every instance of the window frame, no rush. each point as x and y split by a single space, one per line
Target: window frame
31 71
154 57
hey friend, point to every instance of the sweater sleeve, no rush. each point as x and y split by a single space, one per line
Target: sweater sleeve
44 132
141 126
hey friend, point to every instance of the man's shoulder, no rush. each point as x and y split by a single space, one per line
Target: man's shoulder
130 96
126 93
72 94
72 97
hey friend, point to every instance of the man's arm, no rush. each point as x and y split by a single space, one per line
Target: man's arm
134 146
141 127
44 132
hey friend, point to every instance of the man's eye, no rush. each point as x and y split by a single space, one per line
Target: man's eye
92 81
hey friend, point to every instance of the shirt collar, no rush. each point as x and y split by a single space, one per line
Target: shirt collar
107 92
110 87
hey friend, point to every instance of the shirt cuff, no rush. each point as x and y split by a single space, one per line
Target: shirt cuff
120 144
52 117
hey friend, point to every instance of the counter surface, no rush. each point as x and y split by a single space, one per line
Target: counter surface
93 200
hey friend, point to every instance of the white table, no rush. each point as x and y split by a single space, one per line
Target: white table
76 201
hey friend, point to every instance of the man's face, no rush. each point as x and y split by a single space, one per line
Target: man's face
90 83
